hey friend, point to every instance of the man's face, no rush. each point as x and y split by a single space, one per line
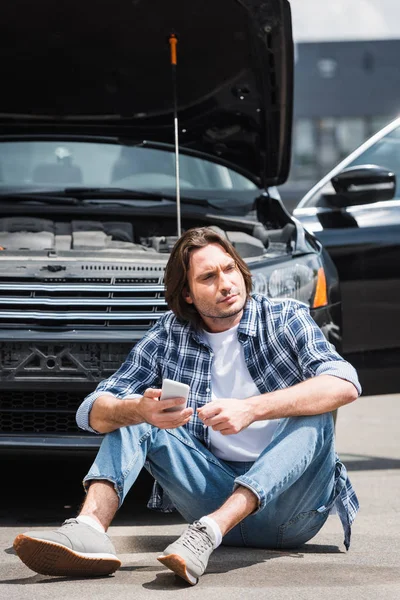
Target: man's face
216 287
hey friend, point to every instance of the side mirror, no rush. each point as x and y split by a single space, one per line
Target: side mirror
362 184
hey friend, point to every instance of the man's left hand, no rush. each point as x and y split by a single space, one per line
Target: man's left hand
227 415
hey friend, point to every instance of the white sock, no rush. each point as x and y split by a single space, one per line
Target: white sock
215 527
92 522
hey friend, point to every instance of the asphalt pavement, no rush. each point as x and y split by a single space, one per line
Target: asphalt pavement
367 441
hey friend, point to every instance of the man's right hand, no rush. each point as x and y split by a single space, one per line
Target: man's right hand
110 413
154 411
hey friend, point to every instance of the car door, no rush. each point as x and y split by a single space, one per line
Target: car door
364 242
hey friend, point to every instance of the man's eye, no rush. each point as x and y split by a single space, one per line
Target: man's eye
207 276
230 268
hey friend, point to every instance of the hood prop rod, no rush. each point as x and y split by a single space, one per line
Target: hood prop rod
173 41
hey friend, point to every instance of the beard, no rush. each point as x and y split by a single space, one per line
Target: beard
227 315
218 310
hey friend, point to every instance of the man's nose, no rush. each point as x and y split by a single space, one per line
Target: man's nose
224 281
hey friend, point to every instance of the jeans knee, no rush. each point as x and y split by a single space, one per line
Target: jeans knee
323 428
325 423
317 429
321 423
127 436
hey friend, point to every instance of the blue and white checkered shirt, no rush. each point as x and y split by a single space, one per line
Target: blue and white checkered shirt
282 346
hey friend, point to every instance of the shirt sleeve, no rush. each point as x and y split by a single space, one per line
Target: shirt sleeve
315 355
139 372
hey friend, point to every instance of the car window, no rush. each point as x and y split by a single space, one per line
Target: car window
70 163
385 153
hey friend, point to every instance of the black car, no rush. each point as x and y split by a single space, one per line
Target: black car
88 198
355 212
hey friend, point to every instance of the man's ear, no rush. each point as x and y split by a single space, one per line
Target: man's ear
187 296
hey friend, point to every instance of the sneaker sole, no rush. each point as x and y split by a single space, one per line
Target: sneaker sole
50 558
177 564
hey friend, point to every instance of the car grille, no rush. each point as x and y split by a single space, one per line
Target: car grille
39 412
39 361
82 304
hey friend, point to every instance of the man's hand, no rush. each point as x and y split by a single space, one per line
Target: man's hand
154 411
110 413
227 415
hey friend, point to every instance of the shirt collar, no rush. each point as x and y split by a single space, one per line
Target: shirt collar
247 325
248 322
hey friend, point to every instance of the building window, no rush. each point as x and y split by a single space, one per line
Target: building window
304 156
320 144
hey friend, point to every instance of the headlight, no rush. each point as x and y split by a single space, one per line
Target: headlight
303 279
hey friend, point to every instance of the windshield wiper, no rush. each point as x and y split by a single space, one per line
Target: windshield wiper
43 197
74 195
112 193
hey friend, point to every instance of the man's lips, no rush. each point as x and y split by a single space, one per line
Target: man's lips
228 299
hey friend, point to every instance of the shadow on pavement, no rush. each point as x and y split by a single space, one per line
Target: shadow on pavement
355 462
36 579
224 560
156 543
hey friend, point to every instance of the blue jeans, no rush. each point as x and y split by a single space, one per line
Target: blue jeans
293 478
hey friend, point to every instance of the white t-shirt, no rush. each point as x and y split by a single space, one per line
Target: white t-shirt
230 378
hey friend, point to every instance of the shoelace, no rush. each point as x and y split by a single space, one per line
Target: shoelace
196 538
69 522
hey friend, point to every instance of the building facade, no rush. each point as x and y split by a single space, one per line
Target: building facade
344 92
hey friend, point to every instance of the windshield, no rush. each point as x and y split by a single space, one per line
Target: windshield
54 164
384 153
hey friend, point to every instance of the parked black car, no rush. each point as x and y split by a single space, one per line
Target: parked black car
87 191
355 212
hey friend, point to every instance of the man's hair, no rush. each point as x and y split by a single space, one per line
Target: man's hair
176 272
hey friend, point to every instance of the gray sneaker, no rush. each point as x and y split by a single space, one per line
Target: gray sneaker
188 556
75 549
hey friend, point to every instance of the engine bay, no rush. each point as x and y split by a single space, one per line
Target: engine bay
39 235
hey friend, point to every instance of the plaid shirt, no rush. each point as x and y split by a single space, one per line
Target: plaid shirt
282 346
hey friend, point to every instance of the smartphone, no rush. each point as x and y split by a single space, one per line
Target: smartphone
174 389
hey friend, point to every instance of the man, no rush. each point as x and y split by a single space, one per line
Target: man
250 461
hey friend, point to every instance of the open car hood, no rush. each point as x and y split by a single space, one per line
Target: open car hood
103 68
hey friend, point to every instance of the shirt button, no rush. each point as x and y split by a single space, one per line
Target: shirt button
208 390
